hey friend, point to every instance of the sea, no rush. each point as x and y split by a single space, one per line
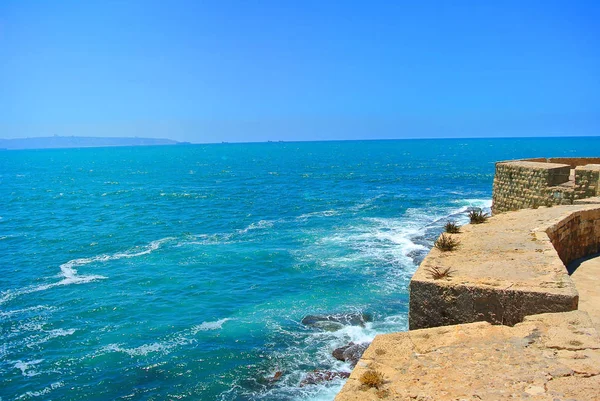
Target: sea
185 272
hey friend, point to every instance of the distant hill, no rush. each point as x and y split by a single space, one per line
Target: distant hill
80 142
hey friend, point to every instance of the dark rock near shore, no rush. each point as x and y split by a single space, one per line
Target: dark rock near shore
354 353
338 353
336 321
319 376
350 353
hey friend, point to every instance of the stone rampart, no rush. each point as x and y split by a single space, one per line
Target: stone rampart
510 267
547 357
531 183
577 235
508 271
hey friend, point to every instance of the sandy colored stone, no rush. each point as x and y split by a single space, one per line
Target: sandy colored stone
587 281
506 269
530 183
547 357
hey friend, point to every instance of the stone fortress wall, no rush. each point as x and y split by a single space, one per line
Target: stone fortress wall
530 183
504 323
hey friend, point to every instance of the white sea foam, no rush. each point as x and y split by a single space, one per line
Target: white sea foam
325 213
256 226
142 350
37 308
166 345
37 340
69 273
346 334
482 203
377 240
206 326
365 203
44 391
26 368
206 239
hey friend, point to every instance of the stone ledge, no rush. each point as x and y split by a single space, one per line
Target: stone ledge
547 357
506 268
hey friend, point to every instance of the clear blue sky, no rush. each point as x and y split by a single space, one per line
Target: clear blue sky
211 71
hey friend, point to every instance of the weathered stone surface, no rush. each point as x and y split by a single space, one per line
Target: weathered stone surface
587 181
506 269
547 357
577 234
587 280
531 183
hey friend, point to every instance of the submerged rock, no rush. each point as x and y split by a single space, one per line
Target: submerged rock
350 353
319 376
336 321
276 377
338 353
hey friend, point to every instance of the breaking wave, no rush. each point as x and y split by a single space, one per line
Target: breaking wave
69 274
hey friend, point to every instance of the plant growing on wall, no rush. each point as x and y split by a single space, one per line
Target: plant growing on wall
372 378
477 216
446 243
438 273
451 228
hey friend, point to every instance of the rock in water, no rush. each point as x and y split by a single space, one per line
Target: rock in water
336 321
319 376
353 353
338 353
350 353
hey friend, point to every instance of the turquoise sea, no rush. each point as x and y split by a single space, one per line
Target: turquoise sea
183 272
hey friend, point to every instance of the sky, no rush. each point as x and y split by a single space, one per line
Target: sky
213 71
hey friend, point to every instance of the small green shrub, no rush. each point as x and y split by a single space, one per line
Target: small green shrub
446 243
372 378
477 216
438 273
451 228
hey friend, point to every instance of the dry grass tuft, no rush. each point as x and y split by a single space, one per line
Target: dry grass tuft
372 378
446 243
451 228
477 216
438 273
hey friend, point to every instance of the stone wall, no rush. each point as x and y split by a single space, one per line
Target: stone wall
576 236
587 181
510 267
531 183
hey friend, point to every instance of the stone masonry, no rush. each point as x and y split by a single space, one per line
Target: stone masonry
503 323
531 183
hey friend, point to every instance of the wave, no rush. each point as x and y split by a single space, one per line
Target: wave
26 367
366 203
37 308
260 225
175 340
37 340
70 275
381 241
44 391
465 205
325 213
206 326
306 351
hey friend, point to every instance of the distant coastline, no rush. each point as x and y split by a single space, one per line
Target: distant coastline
64 142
